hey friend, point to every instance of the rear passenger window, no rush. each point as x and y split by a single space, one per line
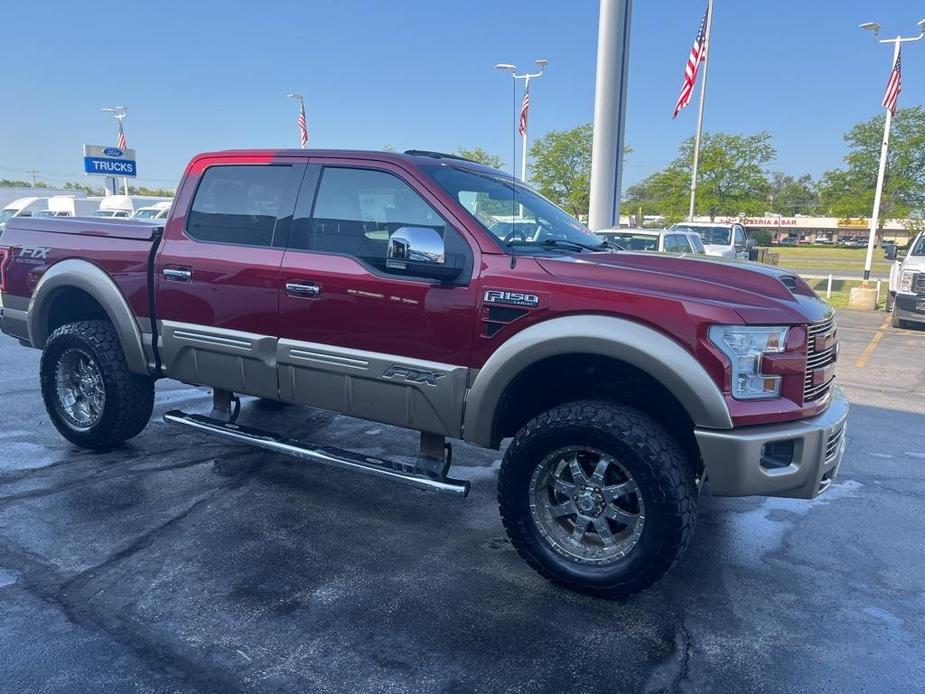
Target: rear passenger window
240 204
671 244
356 210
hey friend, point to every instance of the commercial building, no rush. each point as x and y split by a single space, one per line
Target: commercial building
827 229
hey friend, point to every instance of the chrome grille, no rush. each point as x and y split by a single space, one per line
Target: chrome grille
819 359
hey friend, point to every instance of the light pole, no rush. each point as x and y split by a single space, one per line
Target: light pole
119 113
608 143
526 77
884 147
302 120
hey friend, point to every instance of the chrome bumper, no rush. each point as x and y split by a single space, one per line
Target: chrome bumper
732 458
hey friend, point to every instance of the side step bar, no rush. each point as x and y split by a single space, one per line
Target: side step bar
411 474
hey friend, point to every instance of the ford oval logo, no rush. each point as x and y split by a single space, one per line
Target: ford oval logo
112 152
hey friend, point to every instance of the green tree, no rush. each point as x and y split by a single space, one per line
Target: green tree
481 156
849 191
7 183
561 167
731 178
790 195
88 189
153 192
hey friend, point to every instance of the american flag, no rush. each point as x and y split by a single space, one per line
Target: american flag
303 127
697 56
894 85
121 144
524 108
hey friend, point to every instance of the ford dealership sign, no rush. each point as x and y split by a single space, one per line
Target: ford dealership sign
101 160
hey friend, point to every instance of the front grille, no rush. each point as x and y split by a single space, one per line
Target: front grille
832 444
819 358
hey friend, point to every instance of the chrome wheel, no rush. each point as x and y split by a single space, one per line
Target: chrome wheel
587 505
79 388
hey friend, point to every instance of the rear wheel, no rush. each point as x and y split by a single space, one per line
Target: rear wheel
598 497
93 399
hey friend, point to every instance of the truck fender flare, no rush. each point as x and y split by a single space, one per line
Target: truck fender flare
83 275
649 350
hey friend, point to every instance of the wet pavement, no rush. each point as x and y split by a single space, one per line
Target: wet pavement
180 563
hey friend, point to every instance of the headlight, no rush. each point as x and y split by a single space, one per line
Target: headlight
905 281
744 345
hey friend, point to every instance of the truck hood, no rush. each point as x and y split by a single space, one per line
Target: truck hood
761 294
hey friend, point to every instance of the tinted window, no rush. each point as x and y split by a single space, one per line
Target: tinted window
356 210
696 243
240 204
671 244
634 242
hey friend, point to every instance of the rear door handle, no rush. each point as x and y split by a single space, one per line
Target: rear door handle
177 274
303 289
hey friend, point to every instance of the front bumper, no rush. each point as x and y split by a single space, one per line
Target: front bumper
732 457
910 307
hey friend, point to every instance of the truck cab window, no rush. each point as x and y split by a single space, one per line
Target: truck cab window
357 210
239 204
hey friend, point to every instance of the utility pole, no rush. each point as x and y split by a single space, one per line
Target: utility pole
526 77
885 144
613 54
703 92
33 172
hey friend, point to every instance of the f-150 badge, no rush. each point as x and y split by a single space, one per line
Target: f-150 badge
498 296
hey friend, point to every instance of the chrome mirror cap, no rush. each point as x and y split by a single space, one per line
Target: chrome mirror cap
410 246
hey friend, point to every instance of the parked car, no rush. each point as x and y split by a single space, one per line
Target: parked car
365 283
657 240
22 207
906 300
153 213
789 241
722 240
853 243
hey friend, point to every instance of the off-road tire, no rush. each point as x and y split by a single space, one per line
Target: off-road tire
662 471
890 300
129 397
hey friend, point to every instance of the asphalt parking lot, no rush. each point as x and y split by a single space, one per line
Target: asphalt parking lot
180 563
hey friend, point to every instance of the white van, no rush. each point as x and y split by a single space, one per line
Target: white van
721 240
153 213
71 206
22 207
124 206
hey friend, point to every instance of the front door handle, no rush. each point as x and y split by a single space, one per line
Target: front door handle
303 289
177 274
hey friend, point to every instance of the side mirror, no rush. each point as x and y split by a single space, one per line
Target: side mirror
419 251
889 251
751 246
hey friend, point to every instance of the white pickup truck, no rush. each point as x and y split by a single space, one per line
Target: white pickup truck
906 300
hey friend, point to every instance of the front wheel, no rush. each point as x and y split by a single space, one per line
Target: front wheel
895 320
93 399
598 497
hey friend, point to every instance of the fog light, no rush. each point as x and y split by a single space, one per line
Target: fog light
777 455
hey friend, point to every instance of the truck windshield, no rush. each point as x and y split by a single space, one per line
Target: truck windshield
634 242
712 236
514 213
919 247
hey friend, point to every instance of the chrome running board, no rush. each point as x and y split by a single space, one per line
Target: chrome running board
412 474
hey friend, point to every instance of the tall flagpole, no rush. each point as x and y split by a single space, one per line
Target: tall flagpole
703 92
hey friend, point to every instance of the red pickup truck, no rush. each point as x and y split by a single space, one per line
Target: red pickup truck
429 292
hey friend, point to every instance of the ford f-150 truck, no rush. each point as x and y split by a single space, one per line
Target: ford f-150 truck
429 292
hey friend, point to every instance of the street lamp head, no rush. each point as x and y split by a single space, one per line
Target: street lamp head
542 62
921 24
293 96
505 66
871 26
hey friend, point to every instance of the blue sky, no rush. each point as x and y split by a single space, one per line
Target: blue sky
418 74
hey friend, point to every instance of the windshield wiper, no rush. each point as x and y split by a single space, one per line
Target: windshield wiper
561 243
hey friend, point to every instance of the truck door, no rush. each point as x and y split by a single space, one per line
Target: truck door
217 273
739 240
355 336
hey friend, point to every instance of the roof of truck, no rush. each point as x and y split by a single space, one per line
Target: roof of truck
414 156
